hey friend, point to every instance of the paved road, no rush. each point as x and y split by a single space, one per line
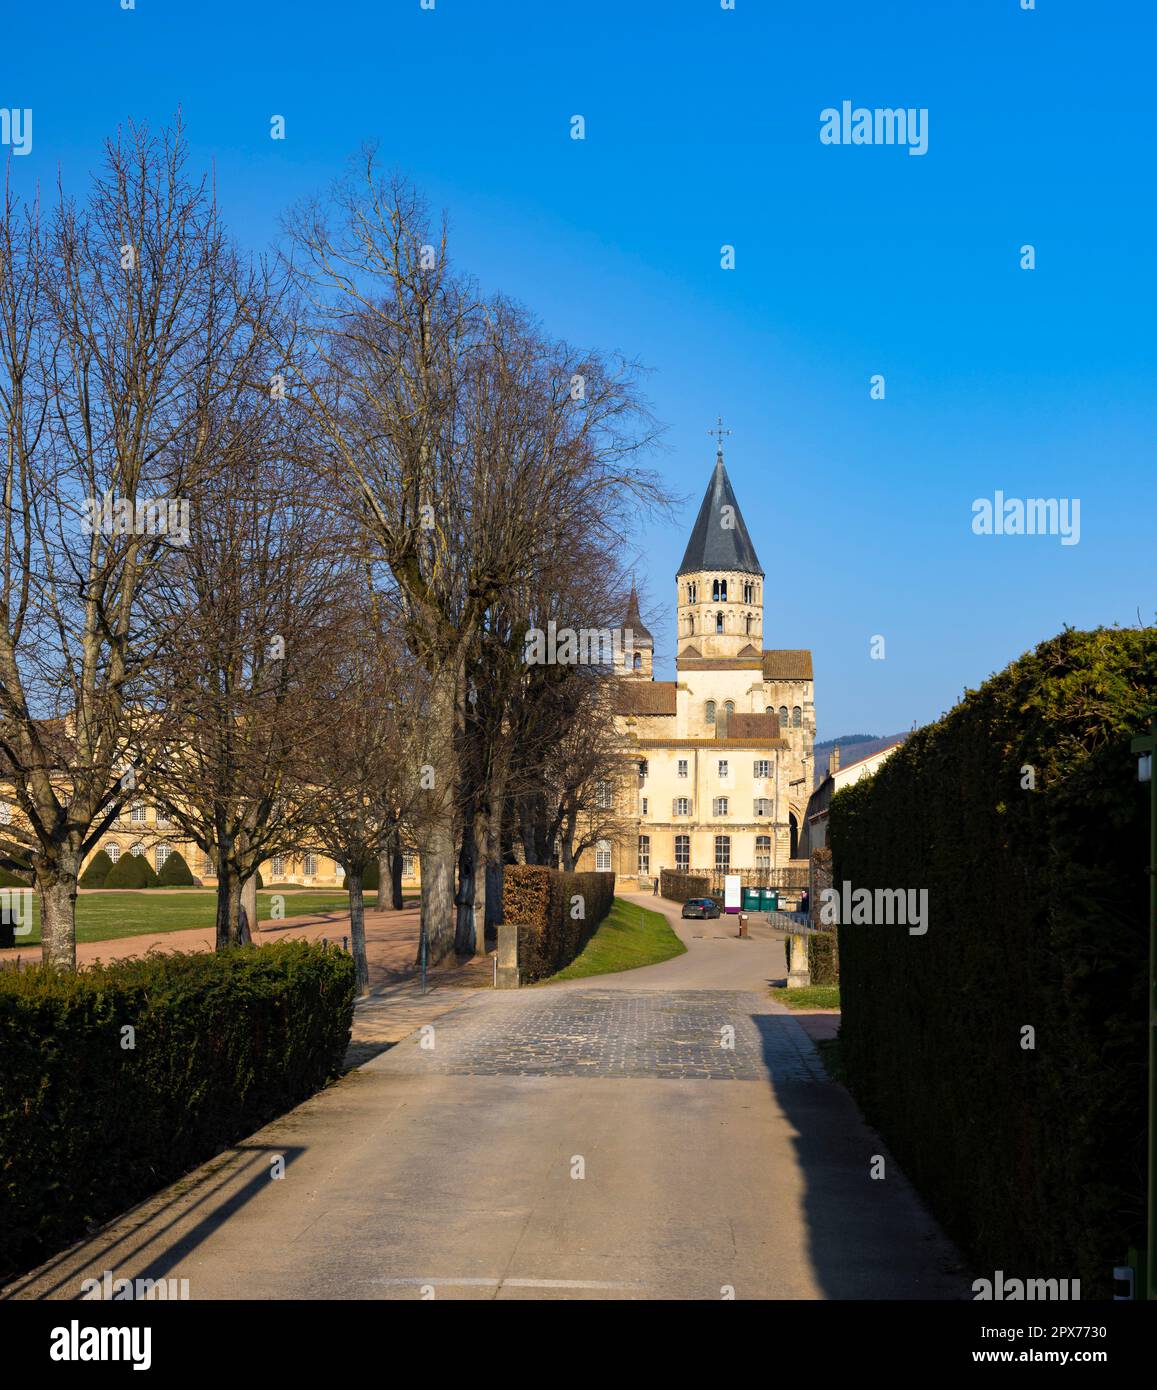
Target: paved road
665 1133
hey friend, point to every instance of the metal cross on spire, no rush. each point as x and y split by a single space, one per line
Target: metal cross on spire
718 430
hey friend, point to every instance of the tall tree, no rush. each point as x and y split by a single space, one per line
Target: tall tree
123 330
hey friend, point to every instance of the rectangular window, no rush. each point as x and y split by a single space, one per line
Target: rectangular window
603 856
138 813
309 865
682 767
277 867
644 854
762 806
644 805
682 806
161 853
719 806
407 866
723 767
762 767
763 851
722 853
603 795
682 851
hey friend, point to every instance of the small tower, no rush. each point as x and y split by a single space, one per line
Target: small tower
720 582
638 661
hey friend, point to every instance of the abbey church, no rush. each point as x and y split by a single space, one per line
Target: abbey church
724 751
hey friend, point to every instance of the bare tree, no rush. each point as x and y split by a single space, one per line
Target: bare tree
123 327
464 441
258 597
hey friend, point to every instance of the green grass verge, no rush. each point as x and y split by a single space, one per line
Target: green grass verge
628 936
104 916
811 997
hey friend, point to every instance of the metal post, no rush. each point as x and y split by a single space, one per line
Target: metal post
422 947
1146 745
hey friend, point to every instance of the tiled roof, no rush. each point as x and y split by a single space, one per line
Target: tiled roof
786 664
645 697
753 726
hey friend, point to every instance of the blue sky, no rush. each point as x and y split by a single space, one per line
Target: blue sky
703 129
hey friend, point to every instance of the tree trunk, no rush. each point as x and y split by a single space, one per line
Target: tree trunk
439 850
228 907
56 881
481 844
464 898
384 875
358 929
396 865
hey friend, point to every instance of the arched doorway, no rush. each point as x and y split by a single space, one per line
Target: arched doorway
794 825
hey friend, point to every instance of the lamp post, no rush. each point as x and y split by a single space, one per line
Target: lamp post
1144 746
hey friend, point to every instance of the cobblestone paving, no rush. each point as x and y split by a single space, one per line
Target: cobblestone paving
609 1033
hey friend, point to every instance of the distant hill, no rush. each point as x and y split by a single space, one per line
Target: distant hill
852 748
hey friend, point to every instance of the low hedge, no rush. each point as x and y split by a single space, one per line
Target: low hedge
224 1042
1020 814
823 958
678 888
540 901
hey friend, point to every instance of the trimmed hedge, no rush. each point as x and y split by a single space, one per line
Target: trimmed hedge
175 873
98 870
678 888
823 958
539 901
224 1042
1034 1160
131 871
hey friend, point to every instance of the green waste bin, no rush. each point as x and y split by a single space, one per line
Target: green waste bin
751 900
770 900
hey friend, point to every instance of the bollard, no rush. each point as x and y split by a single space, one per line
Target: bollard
743 924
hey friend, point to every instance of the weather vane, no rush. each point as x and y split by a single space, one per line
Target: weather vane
718 430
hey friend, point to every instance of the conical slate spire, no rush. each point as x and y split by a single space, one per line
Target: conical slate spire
634 621
720 541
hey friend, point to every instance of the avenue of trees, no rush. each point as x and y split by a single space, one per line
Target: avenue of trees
274 532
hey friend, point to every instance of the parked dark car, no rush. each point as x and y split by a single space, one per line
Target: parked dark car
700 907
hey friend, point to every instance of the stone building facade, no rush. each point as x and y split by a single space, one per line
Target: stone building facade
719 760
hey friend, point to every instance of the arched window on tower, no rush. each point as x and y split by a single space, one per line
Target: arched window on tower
711 711
719 622
782 717
723 590
638 662
748 591
796 717
770 709
691 623
747 620
715 591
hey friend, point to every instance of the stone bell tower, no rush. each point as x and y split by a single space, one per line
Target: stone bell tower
720 582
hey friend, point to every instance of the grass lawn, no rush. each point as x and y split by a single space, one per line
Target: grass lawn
100 916
629 936
811 997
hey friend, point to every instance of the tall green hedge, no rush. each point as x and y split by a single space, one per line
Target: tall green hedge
175 872
542 902
1038 918
221 1043
98 870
